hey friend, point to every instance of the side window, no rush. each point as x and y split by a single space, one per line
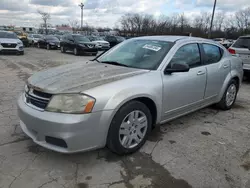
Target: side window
212 53
188 54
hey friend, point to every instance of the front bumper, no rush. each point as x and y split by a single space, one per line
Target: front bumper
18 48
78 132
55 46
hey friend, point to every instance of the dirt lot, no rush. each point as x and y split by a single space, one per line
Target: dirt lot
206 149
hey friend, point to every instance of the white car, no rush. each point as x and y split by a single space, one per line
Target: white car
99 41
9 42
33 38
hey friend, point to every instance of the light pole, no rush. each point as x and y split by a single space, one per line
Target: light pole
81 5
211 24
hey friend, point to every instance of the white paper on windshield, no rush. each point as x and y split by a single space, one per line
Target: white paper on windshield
152 47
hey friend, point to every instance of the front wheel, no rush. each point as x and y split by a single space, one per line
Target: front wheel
129 128
62 49
229 96
75 51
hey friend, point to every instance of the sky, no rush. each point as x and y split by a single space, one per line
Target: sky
104 13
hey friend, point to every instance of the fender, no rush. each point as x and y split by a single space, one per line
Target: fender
129 94
230 76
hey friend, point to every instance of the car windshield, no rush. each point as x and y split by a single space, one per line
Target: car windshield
51 38
140 53
242 42
8 35
81 38
98 38
37 36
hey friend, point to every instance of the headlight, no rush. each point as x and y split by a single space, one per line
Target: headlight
19 43
71 103
51 43
83 45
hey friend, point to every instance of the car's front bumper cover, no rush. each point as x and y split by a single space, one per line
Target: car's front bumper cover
18 48
79 132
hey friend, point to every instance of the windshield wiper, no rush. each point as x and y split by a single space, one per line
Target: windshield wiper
114 63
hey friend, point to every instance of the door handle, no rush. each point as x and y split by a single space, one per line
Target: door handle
200 73
225 66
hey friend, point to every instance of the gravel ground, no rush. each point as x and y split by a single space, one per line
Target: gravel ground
206 149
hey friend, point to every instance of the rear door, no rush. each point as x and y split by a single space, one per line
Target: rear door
241 47
217 69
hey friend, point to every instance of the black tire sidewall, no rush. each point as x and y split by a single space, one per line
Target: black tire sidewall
113 141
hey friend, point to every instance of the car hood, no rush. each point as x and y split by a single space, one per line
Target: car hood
6 40
78 77
55 41
101 41
81 42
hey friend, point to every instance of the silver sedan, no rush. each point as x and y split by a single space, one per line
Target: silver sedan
118 98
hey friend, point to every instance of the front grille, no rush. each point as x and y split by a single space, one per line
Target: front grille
37 98
8 45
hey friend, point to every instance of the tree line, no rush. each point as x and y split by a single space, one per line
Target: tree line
131 25
230 26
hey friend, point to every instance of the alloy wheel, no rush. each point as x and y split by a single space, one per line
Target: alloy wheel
133 129
231 94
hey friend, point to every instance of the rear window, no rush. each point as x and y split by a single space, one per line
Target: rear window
242 42
212 53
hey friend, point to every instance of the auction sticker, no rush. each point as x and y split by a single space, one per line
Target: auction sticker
152 47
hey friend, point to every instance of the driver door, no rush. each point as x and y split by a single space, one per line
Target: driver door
183 92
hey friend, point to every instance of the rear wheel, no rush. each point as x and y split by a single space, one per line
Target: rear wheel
129 128
229 96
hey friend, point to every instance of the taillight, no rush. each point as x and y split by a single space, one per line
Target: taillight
231 51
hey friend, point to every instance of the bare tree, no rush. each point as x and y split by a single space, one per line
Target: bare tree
74 24
243 19
219 20
45 17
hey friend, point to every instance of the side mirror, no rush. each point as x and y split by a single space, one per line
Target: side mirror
177 67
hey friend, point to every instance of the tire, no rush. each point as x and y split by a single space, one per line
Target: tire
114 139
48 47
94 54
75 51
62 49
223 104
21 53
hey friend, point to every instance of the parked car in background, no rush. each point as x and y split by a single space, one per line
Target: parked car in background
9 42
23 37
114 40
58 36
224 42
78 44
33 38
100 42
117 99
48 42
242 48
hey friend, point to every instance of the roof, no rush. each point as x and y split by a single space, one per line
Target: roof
173 38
